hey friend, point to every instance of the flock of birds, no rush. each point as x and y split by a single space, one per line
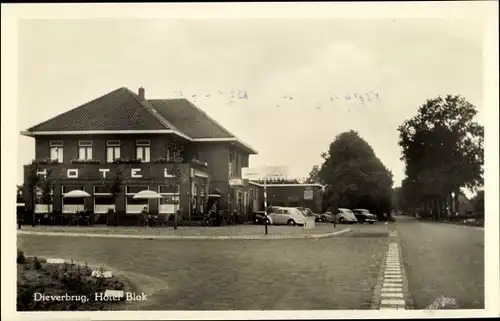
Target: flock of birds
235 95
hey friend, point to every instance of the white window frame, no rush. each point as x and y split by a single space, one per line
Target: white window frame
71 209
86 147
164 209
57 146
114 145
135 209
143 150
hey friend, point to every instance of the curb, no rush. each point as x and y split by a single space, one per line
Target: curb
188 237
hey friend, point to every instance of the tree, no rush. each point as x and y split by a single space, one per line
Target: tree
443 152
115 185
179 178
478 202
46 185
354 176
32 180
314 175
115 188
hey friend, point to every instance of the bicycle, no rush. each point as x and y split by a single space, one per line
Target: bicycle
207 219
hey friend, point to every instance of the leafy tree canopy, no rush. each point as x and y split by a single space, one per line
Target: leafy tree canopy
354 176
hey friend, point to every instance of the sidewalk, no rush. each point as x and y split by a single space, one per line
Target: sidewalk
238 232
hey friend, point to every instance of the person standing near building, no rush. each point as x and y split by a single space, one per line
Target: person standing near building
145 215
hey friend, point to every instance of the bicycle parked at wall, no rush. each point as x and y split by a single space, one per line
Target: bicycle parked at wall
208 219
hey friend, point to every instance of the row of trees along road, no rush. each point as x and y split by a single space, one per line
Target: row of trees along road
353 175
443 153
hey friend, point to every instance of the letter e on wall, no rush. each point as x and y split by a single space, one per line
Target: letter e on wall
135 173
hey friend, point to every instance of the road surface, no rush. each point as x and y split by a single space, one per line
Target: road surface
443 259
324 274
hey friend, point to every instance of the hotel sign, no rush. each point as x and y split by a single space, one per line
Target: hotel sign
236 182
93 172
256 173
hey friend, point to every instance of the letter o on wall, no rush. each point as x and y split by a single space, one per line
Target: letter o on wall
72 173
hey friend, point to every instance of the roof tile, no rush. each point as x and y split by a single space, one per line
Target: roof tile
189 119
120 109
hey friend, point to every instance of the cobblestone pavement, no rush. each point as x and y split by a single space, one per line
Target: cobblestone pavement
250 229
443 259
331 273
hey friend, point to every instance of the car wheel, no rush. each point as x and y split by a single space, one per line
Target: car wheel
341 220
371 222
361 222
291 222
323 219
267 222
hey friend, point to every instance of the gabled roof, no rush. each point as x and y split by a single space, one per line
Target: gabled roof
124 112
120 109
190 119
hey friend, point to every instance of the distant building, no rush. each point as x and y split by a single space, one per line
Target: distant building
291 193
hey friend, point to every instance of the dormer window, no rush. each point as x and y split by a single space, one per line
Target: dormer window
85 149
143 150
56 150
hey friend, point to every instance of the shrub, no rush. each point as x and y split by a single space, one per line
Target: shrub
61 279
37 264
85 161
127 160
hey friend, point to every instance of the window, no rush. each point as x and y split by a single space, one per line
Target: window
170 201
112 150
135 206
103 200
56 150
85 149
74 204
174 150
143 150
43 203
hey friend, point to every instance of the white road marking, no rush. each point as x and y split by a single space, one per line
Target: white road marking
392 302
392 295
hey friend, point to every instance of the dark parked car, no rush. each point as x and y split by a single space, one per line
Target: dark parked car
326 217
259 218
364 215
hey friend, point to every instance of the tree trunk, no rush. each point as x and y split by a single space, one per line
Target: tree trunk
439 208
435 209
457 200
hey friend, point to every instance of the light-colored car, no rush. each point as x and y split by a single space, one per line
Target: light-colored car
346 216
364 215
286 215
308 213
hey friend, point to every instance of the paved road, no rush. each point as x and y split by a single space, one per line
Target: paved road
332 273
443 259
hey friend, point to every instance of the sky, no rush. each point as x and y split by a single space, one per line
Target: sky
298 75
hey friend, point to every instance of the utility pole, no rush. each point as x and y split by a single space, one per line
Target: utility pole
265 200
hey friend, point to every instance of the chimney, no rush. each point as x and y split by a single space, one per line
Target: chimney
142 94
